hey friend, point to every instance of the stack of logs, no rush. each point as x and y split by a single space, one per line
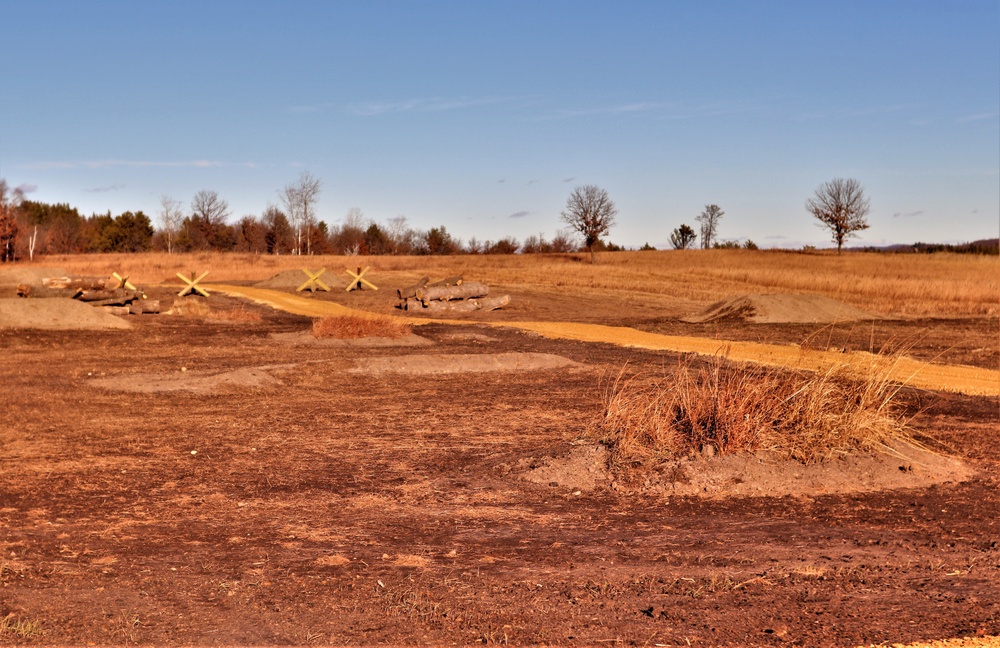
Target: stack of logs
116 296
451 294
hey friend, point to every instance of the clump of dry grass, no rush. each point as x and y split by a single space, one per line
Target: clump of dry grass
351 327
745 408
11 626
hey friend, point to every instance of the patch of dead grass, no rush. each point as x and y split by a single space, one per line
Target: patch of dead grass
349 327
19 628
722 407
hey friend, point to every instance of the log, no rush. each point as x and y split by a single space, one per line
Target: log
468 290
438 306
493 303
450 281
143 306
117 310
78 283
108 297
407 293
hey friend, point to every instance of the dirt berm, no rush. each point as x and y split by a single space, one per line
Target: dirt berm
780 309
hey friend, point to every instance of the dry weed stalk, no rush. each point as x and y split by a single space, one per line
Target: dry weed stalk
351 327
728 408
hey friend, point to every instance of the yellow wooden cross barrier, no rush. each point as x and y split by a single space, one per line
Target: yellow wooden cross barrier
192 285
313 283
357 278
123 282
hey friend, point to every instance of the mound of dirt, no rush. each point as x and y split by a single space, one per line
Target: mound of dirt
306 338
463 363
32 275
193 381
56 314
780 309
290 280
762 474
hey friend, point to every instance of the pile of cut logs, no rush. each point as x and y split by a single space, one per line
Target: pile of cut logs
452 295
115 295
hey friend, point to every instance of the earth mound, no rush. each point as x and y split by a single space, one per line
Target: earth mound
31 275
290 280
454 363
584 467
306 338
56 314
780 309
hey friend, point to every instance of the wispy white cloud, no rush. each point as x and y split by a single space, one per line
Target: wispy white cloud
620 109
908 214
431 105
978 117
27 188
116 187
569 179
520 214
858 111
135 164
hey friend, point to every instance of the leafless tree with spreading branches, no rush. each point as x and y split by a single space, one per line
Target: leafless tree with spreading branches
590 212
842 207
171 216
300 201
709 220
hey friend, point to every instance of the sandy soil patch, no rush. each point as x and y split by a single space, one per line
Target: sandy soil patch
780 308
584 468
463 363
193 381
55 314
306 339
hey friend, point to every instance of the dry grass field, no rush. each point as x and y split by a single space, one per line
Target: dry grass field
226 473
933 285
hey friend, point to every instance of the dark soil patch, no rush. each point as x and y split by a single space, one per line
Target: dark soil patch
340 508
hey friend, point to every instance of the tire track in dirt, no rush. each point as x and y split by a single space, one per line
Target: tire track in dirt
915 373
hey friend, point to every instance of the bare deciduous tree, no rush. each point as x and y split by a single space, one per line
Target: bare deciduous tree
590 212
300 201
709 220
842 207
683 237
207 206
171 217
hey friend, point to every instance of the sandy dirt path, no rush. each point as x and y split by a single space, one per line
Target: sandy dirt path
915 373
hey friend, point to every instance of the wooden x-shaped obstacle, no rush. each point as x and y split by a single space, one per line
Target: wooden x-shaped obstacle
313 283
122 282
192 285
357 279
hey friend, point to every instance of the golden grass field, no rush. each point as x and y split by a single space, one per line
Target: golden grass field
932 285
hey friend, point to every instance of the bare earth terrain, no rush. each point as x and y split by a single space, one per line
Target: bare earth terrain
218 477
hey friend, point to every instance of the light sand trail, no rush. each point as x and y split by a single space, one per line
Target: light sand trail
923 375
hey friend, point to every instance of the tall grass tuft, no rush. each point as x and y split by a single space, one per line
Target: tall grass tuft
351 327
727 408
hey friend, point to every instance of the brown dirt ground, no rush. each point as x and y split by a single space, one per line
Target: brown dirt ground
321 506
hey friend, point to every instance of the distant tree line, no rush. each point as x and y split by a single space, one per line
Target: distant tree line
29 227
983 246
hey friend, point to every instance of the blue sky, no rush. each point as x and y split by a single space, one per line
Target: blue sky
483 116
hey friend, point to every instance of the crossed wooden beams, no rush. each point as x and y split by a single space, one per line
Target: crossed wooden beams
122 282
357 279
313 283
192 285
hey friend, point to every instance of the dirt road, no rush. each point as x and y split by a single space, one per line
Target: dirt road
915 373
